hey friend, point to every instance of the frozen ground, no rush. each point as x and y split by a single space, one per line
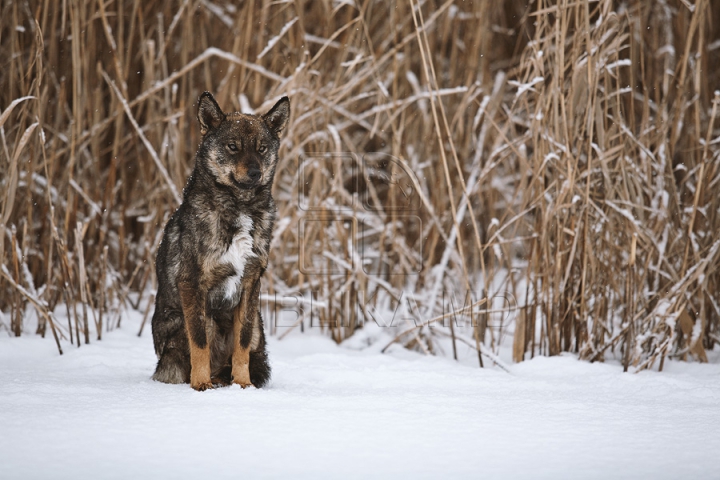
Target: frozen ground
334 412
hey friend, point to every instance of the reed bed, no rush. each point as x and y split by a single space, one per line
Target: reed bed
559 156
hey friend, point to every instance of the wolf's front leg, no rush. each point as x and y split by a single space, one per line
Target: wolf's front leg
244 319
193 306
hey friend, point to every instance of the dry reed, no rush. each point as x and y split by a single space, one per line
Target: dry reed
584 135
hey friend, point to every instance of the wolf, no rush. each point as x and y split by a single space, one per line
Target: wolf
207 328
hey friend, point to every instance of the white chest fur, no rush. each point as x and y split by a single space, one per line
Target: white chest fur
238 253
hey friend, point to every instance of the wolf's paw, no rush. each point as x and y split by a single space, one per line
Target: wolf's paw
243 383
169 373
201 387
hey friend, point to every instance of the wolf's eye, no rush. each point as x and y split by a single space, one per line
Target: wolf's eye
232 147
262 149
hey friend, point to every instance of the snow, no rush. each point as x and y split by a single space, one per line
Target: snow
271 43
350 411
524 87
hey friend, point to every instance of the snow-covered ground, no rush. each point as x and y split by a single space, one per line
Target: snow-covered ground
336 412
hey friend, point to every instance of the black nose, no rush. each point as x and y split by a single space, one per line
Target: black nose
254 174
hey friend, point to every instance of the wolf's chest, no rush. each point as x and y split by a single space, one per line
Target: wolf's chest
238 252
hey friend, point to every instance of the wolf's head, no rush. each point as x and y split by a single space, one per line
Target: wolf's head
240 151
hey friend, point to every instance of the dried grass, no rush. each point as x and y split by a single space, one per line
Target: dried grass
583 134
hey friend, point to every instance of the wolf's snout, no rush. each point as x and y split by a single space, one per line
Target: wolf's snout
254 174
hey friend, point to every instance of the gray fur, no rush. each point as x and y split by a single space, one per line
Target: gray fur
224 225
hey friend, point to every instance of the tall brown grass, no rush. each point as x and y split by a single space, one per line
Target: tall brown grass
584 135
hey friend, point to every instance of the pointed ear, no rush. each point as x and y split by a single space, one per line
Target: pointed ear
278 115
209 113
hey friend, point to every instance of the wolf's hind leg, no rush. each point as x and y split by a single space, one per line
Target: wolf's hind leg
173 366
171 346
259 366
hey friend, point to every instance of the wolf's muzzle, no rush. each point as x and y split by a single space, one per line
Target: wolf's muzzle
254 175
